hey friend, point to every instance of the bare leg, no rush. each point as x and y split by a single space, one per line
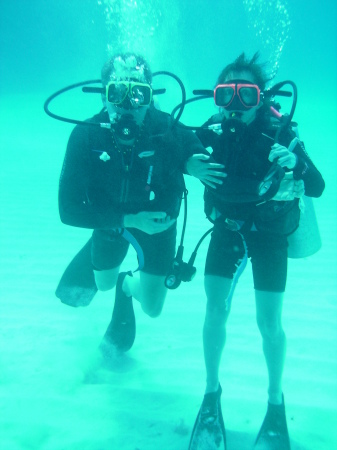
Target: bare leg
149 290
214 331
269 320
106 279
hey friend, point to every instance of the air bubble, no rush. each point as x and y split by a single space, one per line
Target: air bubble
270 21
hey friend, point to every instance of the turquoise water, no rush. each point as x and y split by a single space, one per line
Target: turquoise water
54 394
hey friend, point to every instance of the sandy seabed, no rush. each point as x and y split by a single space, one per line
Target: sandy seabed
55 390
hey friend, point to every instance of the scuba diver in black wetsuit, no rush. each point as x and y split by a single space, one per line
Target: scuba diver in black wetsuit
126 179
253 216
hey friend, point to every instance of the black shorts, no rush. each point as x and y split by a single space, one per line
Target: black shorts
268 254
109 249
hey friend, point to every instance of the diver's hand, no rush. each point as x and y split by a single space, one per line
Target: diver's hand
289 189
284 157
209 173
149 222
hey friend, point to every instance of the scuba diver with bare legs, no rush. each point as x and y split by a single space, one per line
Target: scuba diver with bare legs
254 210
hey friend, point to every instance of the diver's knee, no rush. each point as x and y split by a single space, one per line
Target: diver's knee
216 313
271 330
152 312
104 287
104 280
153 309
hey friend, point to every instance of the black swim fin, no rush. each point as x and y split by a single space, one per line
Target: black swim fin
121 332
209 431
273 434
77 285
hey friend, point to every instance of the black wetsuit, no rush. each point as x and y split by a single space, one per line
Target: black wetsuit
101 182
263 223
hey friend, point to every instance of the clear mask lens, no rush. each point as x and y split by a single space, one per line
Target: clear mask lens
141 94
249 96
224 95
116 93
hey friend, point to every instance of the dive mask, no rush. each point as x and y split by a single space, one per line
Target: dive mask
237 95
138 94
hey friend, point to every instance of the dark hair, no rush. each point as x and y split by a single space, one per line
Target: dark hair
108 67
241 64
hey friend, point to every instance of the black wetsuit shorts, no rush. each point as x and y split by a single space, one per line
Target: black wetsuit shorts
109 249
267 252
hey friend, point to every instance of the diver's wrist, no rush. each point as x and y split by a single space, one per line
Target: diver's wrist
128 221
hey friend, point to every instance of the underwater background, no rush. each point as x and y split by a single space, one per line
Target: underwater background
55 392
